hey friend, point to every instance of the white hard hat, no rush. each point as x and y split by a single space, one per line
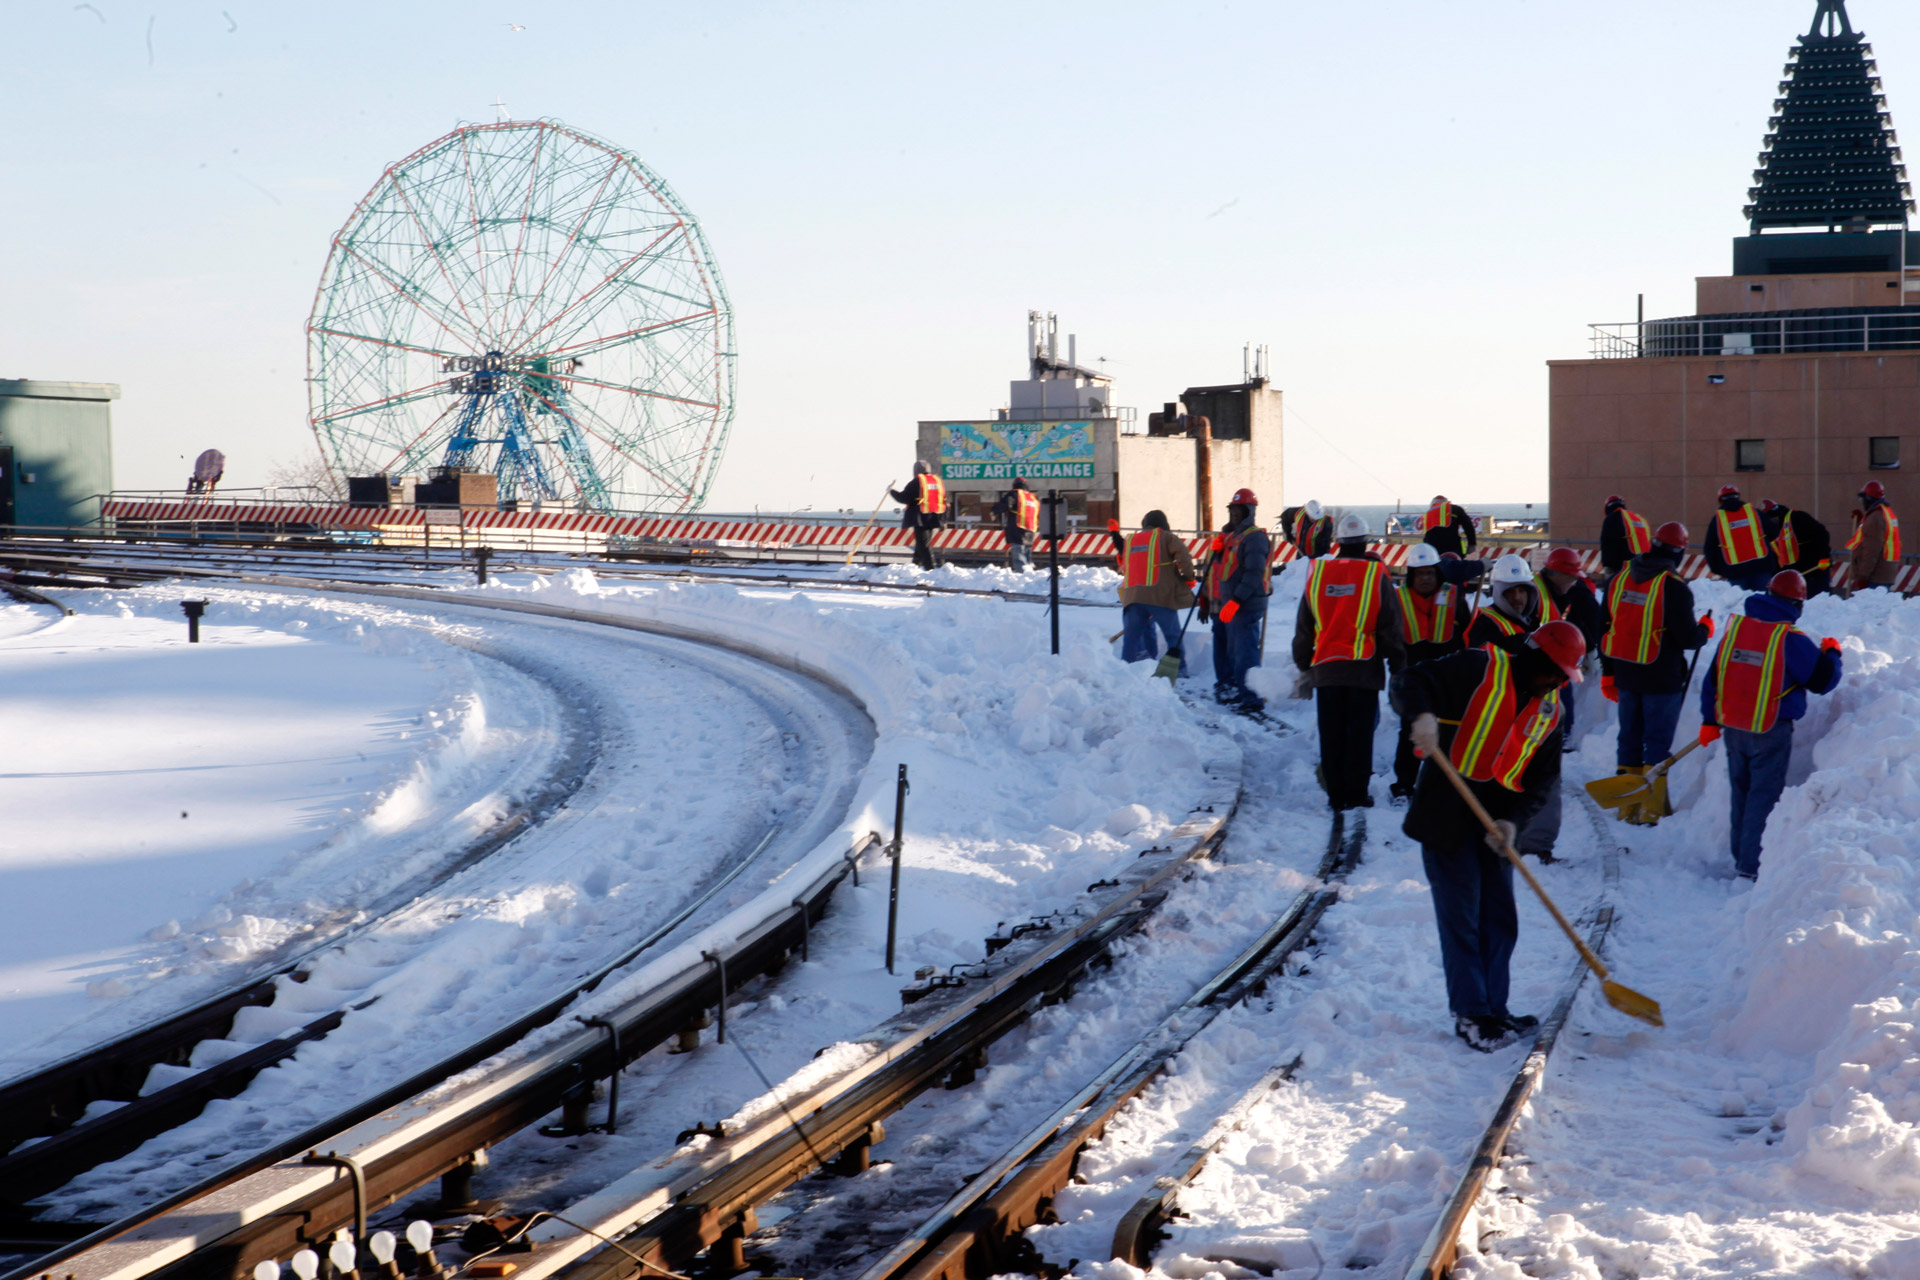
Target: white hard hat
1424 556
1314 510
1510 570
1351 526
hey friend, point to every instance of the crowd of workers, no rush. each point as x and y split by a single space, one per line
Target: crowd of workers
1475 659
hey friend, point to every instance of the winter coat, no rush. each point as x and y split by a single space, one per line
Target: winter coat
1427 650
909 498
1615 550
1816 544
1438 816
1717 555
1389 645
1174 589
1869 568
1457 537
1009 512
1481 631
1322 540
1681 631
1809 667
1249 575
1578 605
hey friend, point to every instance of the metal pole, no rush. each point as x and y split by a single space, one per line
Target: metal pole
1053 565
894 851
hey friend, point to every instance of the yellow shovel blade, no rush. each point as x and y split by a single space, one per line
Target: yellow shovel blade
1611 793
1632 1003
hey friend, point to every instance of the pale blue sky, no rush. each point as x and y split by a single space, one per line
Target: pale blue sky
1414 204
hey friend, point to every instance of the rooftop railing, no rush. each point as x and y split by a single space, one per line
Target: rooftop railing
1774 334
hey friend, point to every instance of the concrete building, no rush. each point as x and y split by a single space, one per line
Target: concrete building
56 451
1798 376
1062 430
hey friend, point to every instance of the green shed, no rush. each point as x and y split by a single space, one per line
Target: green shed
56 451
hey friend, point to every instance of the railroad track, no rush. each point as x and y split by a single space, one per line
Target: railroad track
557 1077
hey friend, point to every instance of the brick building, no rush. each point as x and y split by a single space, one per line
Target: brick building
1798 376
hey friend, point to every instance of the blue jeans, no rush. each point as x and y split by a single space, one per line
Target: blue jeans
1647 723
1019 556
1473 906
1222 655
1137 622
1243 640
1757 768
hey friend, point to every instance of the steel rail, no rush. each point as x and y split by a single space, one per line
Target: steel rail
666 1213
981 1229
666 1011
1442 1245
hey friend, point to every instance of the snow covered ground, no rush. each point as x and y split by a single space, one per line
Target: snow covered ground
1769 1130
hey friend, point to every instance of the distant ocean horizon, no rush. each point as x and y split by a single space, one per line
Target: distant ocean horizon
1376 515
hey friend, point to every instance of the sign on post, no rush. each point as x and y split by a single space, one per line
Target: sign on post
1051 451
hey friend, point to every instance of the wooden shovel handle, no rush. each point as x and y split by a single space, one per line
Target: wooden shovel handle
1486 820
1660 770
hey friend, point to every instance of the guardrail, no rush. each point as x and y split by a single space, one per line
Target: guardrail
1760 334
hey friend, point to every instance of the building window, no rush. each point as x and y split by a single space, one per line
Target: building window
1749 455
1883 453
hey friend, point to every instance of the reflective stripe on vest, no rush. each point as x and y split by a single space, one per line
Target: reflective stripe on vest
1219 565
1439 626
1889 547
1345 598
1750 674
1494 743
1636 614
1786 547
1501 622
1026 510
1549 611
1143 559
1741 539
1305 531
1439 516
1639 536
933 495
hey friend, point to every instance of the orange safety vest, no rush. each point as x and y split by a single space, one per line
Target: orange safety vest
933 495
1143 559
1549 611
1750 674
1786 547
1026 510
1502 623
1345 596
1439 626
1890 549
1305 531
1497 737
1741 538
1438 516
1636 619
1639 535
1217 567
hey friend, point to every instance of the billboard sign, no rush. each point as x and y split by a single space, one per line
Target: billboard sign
1006 450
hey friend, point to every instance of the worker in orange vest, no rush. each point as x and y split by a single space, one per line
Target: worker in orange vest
1346 636
1156 581
1239 579
1737 547
1497 716
1433 622
1875 544
1445 527
1800 543
1624 534
1754 691
1019 512
924 509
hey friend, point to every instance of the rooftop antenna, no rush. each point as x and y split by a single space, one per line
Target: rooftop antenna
500 110
1834 13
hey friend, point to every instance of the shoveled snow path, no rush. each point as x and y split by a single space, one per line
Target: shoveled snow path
703 752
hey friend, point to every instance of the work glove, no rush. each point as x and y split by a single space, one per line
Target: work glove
1830 645
1707 622
1709 734
1502 834
1206 613
1219 544
1609 690
1424 733
1113 526
1228 610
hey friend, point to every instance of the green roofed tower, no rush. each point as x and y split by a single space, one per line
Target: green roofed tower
1831 159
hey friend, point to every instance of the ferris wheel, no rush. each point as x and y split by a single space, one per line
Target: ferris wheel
525 299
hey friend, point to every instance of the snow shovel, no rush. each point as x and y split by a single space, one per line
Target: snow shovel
1625 999
860 546
1169 664
1627 788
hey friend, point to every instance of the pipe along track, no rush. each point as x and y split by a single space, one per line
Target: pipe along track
441 1141
117 563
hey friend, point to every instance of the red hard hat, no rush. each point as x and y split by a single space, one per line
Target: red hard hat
1439 497
1768 504
1243 498
1788 585
1729 491
1564 560
1672 534
1562 642
1449 555
1615 500
1873 491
